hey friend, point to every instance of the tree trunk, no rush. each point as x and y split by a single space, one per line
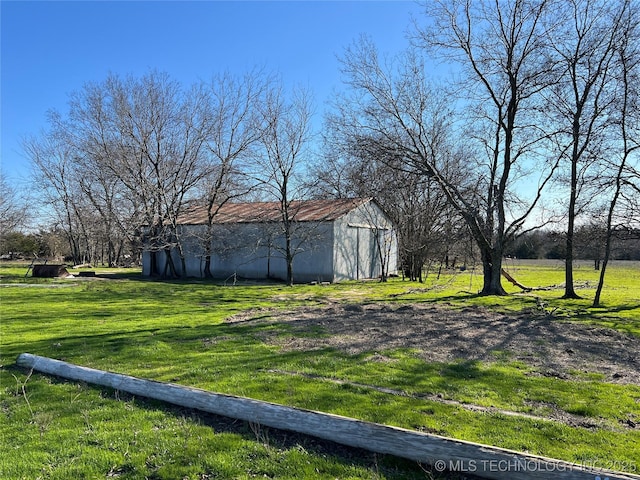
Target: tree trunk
569 291
183 265
492 272
289 256
208 239
169 266
609 234
153 264
118 253
605 261
207 266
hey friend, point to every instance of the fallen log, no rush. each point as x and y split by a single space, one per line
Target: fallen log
440 452
513 281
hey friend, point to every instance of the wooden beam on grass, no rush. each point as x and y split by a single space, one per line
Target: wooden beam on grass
440 452
513 281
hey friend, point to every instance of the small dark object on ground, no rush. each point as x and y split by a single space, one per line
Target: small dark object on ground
50 271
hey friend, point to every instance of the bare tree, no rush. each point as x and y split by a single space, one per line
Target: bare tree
397 109
499 47
286 133
88 133
111 211
580 102
54 170
128 157
232 132
627 64
13 210
146 132
413 201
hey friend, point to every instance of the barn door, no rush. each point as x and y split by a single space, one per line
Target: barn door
367 257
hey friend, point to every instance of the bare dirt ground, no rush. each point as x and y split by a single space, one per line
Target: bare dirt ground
553 347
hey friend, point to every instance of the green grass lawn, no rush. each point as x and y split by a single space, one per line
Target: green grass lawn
175 331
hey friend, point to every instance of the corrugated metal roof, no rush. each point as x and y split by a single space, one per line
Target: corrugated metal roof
301 211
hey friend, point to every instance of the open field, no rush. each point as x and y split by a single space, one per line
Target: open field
528 372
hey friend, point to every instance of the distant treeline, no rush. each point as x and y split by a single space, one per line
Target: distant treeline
589 244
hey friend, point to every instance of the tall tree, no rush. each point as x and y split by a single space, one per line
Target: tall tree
13 211
396 108
232 133
499 47
113 212
54 170
580 102
286 135
146 133
129 149
627 65
420 214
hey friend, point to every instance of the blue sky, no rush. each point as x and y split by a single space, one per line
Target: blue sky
50 49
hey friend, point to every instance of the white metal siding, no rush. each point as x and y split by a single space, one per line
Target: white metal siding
345 249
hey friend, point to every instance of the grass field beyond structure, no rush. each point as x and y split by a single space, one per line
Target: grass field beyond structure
288 345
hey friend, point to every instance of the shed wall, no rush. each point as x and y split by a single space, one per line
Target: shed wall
254 251
347 248
359 236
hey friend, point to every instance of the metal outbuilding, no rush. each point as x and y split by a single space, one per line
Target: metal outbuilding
332 240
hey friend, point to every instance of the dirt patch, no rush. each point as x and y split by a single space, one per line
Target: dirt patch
553 347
